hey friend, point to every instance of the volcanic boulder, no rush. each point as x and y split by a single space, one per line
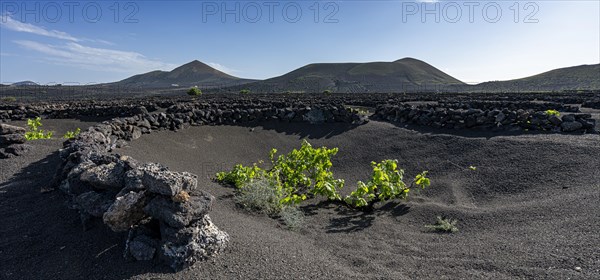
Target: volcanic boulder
12 139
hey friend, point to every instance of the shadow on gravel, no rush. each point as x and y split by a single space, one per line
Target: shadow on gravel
352 220
312 209
304 130
43 239
39 174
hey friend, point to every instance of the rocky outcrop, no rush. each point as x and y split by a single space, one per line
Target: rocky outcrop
165 212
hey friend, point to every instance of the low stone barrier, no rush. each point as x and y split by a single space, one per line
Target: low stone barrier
194 112
496 119
69 111
242 113
510 105
12 141
165 212
591 104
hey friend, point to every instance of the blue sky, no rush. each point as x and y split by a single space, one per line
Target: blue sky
92 42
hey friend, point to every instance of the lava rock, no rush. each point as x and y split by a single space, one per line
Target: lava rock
11 129
8 139
555 120
106 176
142 248
17 149
500 117
568 118
570 126
587 123
314 116
158 179
126 211
132 181
180 214
141 110
144 123
181 248
93 203
133 133
71 184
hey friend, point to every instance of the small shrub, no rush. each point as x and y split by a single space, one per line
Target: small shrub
327 92
35 132
244 91
444 225
307 170
260 195
300 172
292 217
72 134
263 195
552 113
9 99
194 91
362 112
386 183
358 111
240 175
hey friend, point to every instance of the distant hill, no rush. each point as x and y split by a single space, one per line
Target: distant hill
583 77
191 74
24 83
404 75
407 74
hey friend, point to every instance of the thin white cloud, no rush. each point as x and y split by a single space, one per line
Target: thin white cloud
222 68
9 23
98 59
101 41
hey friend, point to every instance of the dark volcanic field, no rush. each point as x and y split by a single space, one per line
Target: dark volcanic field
36 94
531 210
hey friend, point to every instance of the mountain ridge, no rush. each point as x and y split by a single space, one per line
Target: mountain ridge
580 77
194 73
24 83
400 75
